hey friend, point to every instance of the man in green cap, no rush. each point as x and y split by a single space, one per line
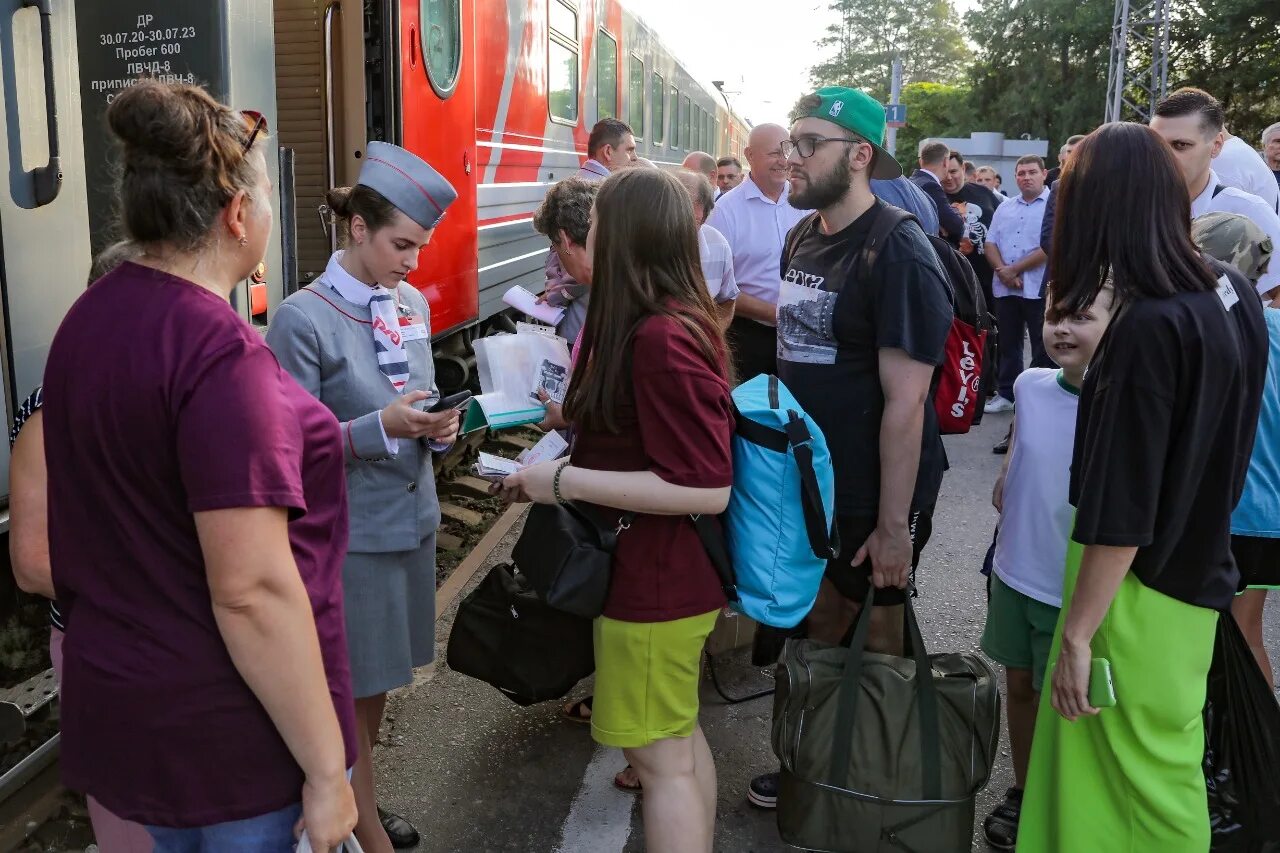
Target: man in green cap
857 345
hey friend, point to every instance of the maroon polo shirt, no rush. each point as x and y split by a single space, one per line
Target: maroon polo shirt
678 425
161 402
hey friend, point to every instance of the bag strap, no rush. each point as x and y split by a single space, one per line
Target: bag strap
607 535
713 543
886 221
824 542
926 703
794 237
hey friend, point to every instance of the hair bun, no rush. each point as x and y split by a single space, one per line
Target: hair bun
339 201
152 118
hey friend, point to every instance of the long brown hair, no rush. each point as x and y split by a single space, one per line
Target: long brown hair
645 263
1123 217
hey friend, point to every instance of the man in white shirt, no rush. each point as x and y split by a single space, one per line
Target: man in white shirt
702 163
1191 121
610 147
1013 250
1238 165
713 248
755 217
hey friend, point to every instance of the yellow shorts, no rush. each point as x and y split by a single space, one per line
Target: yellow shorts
647 677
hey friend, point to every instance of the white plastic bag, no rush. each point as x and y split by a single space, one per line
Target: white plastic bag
348 846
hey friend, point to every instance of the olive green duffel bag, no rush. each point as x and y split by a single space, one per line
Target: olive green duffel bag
875 759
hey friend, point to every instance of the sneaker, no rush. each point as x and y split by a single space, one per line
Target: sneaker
1001 826
997 405
763 791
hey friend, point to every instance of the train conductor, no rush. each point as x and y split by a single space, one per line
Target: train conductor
359 339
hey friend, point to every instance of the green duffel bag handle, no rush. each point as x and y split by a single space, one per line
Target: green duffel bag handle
926 698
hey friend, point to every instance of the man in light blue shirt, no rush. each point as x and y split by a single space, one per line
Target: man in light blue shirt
901 192
1013 250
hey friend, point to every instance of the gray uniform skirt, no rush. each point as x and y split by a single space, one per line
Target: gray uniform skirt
390 603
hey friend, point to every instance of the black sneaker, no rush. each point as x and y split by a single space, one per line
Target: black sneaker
763 791
1001 826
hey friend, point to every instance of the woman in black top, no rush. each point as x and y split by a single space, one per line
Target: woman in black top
1165 428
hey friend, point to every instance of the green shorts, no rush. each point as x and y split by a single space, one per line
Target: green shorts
1019 630
647 676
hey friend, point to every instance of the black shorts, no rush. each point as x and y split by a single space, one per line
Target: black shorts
1258 559
853 581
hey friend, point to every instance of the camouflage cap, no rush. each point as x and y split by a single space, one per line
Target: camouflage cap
1235 240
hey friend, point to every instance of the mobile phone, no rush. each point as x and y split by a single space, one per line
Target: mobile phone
453 401
1102 691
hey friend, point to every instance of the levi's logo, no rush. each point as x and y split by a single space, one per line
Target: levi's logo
969 380
381 325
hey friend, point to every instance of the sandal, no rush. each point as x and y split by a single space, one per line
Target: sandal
624 774
578 712
1001 826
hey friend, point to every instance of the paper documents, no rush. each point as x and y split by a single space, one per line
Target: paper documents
512 368
526 303
551 447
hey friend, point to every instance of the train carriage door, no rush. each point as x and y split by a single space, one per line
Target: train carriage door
44 232
438 121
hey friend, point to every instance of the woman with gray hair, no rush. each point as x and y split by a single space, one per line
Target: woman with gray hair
713 248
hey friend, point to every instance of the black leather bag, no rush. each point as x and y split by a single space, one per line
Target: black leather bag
506 636
566 552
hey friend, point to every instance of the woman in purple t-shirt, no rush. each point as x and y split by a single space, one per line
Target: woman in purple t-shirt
197 517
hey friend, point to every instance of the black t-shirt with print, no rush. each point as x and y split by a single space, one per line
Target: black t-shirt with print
830 330
1164 433
976 205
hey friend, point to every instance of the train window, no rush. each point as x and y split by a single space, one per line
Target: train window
675 117
657 96
442 43
635 98
685 124
606 77
562 63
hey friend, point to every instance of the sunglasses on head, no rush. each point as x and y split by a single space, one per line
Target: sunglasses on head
256 122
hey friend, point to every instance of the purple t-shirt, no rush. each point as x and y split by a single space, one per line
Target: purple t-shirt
160 402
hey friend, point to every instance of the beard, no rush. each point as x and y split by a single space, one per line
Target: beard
827 191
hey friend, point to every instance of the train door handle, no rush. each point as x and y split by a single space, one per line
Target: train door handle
47 179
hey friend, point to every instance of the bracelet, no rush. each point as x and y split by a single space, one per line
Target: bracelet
555 485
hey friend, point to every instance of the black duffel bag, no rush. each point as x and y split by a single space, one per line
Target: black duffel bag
1242 748
505 635
566 552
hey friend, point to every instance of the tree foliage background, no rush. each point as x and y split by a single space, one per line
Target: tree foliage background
1040 66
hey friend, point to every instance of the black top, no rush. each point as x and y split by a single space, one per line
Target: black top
1164 433
948 219
831 328
29 407
1046 224
976 205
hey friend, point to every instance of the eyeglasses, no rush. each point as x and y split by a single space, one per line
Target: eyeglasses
805 146
256 122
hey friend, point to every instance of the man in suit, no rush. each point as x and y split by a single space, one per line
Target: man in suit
933 167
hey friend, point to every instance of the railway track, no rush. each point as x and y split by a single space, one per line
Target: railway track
38 815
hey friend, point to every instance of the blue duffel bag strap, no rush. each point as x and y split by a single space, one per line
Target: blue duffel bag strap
926 700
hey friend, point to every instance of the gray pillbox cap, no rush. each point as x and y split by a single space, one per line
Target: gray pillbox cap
404 179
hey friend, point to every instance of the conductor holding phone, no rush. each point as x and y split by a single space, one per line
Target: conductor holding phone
359 339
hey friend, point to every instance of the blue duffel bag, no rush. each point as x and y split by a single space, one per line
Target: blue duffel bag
778 526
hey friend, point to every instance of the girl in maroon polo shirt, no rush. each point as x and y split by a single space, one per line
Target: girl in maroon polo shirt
651 408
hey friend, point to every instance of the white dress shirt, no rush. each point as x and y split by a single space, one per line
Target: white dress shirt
1239 166
357 292
1015 230
1232 200
717 264
756 228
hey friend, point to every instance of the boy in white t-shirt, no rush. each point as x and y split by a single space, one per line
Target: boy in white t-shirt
1031 546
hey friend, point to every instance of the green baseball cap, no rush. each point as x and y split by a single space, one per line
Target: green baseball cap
860 114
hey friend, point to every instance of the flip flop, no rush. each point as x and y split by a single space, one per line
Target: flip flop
630 789
578 712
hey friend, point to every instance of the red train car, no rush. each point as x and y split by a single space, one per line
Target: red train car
500 96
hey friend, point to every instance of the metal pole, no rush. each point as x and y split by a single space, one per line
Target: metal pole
895 91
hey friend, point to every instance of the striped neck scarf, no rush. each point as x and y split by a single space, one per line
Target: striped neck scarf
388 342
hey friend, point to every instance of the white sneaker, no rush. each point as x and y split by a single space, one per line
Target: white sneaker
997 405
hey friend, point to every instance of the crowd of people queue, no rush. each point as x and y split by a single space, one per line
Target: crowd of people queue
240 533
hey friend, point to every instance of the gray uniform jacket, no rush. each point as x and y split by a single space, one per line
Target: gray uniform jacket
326 343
